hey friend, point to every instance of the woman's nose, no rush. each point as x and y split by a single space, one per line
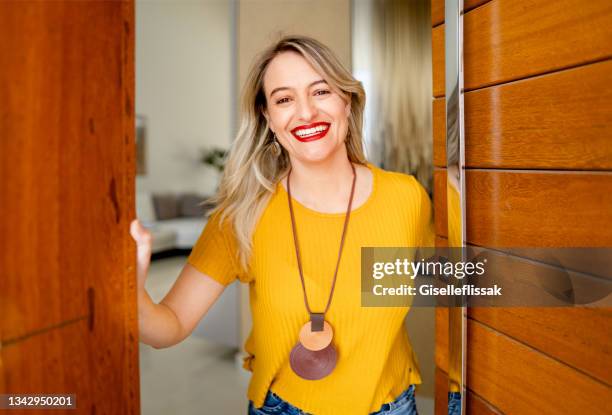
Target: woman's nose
306 110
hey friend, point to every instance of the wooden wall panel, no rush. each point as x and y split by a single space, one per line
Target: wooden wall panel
63 365
533 208
438 112
67 163
437 9
557 121
478 406
537 98
441 354
439 201
441 241
438 61
517 379
440 399
563 333
578 336
507 40
475 404
437 12
32 296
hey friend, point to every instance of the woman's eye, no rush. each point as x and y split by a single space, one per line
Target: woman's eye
282 100
323 92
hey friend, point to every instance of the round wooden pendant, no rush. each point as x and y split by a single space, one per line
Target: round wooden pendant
316 340
311 365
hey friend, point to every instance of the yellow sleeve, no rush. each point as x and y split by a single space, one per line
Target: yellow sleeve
215 252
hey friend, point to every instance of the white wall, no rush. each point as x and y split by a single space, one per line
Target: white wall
261 22
184 88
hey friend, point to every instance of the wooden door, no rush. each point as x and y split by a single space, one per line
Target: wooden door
538 154
68 315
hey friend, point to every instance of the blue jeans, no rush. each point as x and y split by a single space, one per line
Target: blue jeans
404 404
454 403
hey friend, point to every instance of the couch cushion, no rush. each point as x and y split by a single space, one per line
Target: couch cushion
189 205
166 206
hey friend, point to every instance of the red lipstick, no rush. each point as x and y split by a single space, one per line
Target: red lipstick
305 136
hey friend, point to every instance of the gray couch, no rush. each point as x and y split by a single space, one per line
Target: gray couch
175 221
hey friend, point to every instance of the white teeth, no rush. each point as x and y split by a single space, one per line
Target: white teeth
311 131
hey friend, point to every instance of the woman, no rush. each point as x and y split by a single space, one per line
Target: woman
296 203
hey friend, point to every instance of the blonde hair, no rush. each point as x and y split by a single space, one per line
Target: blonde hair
251 171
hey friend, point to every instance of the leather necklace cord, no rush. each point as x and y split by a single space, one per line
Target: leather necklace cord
297 248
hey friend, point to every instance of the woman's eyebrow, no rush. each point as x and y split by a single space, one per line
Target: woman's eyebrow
275 90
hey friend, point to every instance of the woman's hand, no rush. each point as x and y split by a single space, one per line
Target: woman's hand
143 240
176 316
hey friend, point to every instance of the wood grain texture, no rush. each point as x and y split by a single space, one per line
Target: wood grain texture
437 12
63 365
438 61
545 277
442 330
33 155
580 337
478 406
475 404
437 9
439 201
562 333
67 191
538 209
439 131
538 384
506 40
130 346
441 391
441 241
556 121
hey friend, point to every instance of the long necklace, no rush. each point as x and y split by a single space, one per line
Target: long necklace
314 355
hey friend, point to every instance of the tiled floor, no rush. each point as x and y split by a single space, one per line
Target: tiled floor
193 377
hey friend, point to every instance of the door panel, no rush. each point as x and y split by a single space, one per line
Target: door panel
565 334
68 316
526 208
62 356
555 121
437 9
506 40
518 379
476 405
538 173
532 208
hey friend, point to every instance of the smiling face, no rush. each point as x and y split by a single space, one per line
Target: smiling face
309 118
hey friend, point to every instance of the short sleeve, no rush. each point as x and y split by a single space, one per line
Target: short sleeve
425 226
215 252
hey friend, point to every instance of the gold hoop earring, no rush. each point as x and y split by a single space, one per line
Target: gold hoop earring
275 148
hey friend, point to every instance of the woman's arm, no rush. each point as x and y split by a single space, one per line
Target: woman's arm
174 318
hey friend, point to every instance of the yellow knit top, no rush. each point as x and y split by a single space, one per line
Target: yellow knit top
375 358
